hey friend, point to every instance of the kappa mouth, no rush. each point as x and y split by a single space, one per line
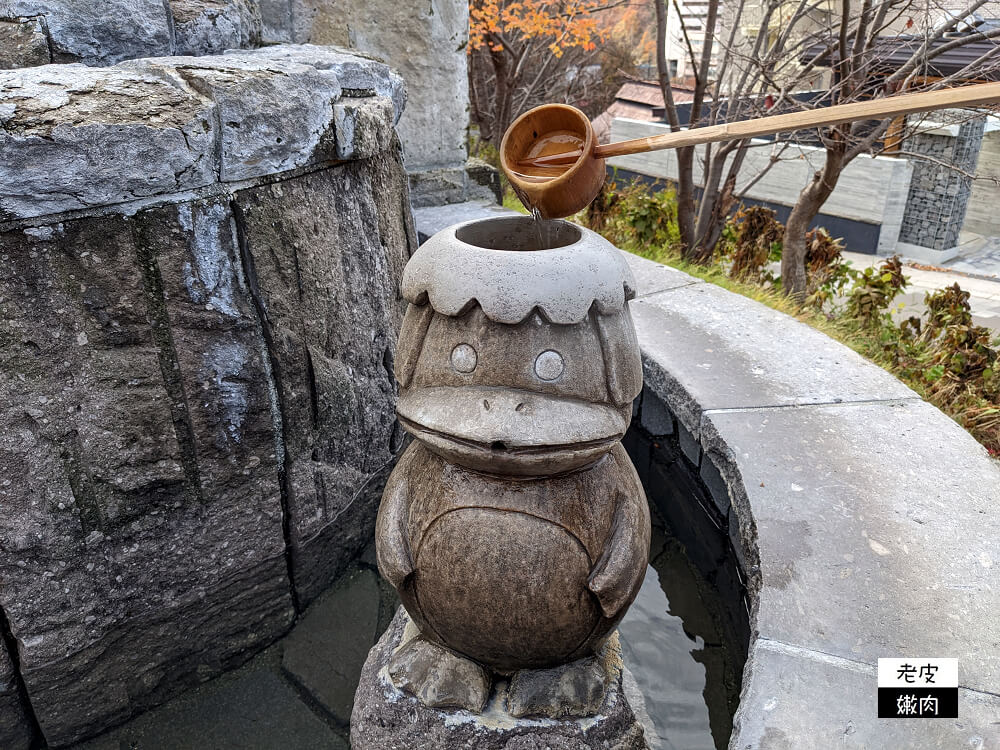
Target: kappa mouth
502 446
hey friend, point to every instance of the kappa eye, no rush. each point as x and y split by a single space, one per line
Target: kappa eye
464 358
549 365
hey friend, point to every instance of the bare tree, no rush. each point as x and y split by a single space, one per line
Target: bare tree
756 56
852 47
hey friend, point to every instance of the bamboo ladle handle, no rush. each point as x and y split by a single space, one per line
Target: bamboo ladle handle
876 109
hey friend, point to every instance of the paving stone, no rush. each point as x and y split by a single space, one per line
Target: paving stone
804 699
652 277
253 709
326 650
706 348
689 444
876 529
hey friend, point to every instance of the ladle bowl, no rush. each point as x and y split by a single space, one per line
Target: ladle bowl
567 188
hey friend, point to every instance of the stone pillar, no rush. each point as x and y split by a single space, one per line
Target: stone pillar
199 264
939 195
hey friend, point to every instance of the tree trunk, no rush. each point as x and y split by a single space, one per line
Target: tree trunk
685 156
811 200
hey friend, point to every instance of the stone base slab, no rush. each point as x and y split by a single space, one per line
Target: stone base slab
385 718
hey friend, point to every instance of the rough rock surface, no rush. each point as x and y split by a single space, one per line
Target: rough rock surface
76 138
209 27
387 719
23 43
332 372
99 33
107 32
196 399
424 42
274 115
16 730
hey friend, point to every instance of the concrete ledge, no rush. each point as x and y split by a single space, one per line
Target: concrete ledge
865 519
78 138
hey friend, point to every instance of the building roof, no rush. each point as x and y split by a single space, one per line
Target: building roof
891 53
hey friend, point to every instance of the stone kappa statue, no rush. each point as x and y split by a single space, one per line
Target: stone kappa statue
514 527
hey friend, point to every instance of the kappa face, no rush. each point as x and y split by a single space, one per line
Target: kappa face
531 398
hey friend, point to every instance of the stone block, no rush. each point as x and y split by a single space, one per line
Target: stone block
142 532
689 444
324 251
870 524
794 698
705 348
274 115
75 137
276 21
385 717
426 44
439 187
363 126
210 27
359 74
716 485
23 43
16 729
101 33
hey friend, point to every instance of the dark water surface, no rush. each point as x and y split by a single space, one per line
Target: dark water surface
674 642
679 642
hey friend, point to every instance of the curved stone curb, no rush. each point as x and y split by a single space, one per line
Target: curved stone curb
866 520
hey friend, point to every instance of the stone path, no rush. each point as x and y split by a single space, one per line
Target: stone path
980 256
984 292
296 694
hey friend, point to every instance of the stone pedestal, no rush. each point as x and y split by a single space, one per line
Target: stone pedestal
386 718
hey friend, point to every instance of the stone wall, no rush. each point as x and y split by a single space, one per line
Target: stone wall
199 264
939 195
981 214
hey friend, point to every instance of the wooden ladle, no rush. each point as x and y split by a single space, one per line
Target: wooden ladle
551 156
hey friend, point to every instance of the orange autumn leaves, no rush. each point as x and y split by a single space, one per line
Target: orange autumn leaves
564 23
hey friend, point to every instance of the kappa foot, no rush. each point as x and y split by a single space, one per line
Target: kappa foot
439 678
572 690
